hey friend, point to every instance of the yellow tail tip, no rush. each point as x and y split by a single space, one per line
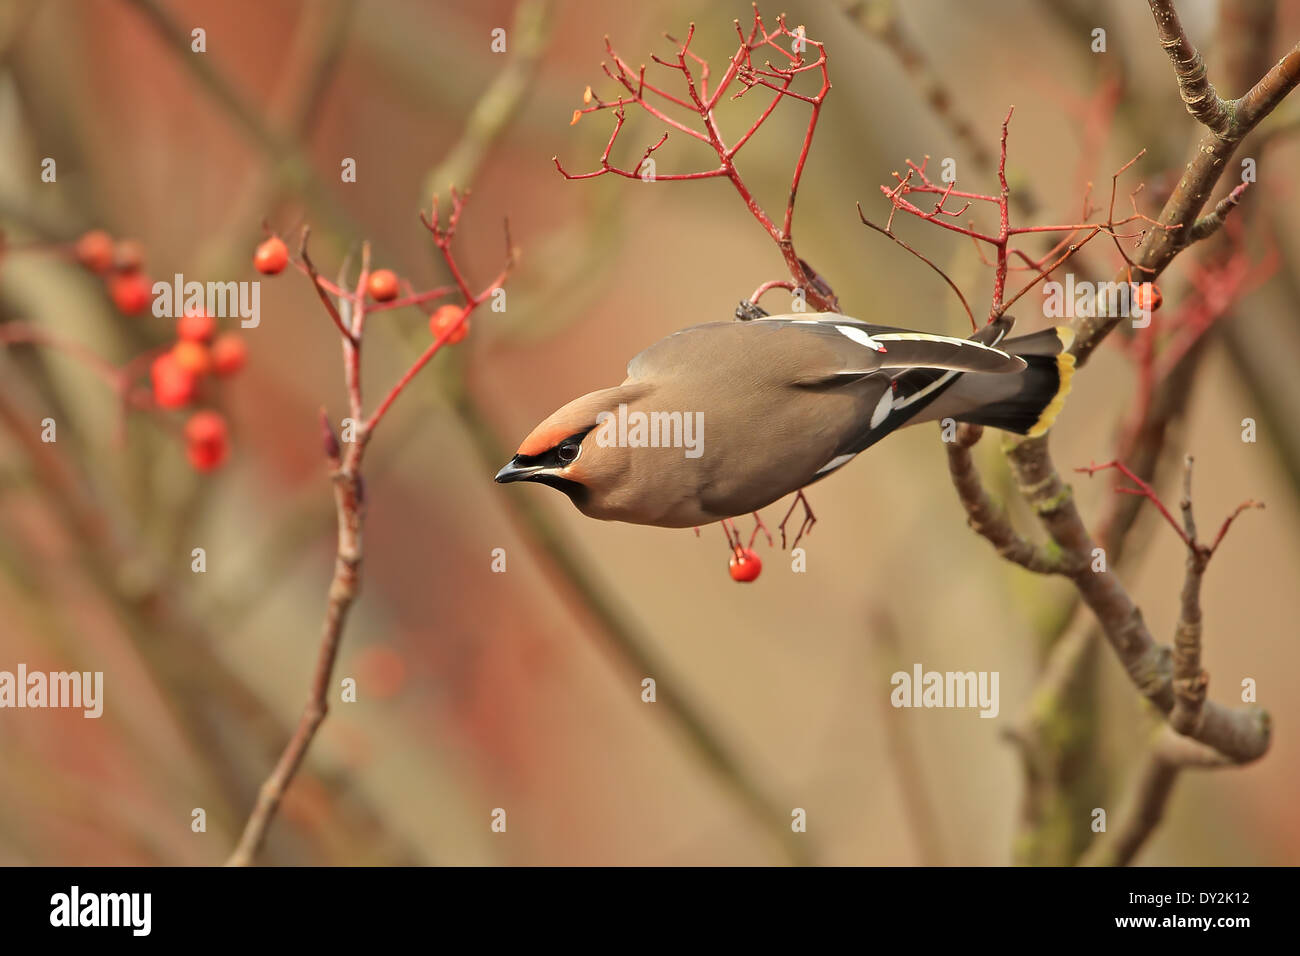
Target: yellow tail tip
1065 370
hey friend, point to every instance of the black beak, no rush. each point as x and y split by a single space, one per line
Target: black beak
514 471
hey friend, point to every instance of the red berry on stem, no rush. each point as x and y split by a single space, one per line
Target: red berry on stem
229 353
443 318
271 256
94 250
207 440
131 292
206 457
196 327
382 285
1149 297
173 385
746 565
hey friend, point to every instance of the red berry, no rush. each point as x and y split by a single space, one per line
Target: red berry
207 440
382 285
205 428
192 356
173 385
206 457
443 318
271 256
94 250
196 327
1149 297
229 353
131 292
745 565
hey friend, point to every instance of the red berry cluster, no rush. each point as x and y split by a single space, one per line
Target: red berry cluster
121 263
177 374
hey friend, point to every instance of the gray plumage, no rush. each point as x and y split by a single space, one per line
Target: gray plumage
783 401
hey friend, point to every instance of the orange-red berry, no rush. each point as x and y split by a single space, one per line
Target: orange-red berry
229 353
173 385
745 565
205 427
196 327
206 457
94 250
271 256
206 440
192 356
443 318
382 285
131 292
1149 297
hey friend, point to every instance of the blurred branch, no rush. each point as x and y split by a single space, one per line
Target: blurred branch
879 19
291 163
923 821
499 103
314 57
1151 789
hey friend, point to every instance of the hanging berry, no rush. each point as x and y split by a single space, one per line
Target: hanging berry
746 565
1149 297
271 256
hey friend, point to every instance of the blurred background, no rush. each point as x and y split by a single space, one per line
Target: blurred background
522 690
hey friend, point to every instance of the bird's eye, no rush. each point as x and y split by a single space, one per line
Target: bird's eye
568 451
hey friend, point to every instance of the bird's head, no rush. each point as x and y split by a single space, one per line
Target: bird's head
561 453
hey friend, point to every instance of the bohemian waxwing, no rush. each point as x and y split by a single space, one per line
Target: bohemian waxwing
723 419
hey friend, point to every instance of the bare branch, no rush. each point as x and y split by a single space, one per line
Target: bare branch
987 519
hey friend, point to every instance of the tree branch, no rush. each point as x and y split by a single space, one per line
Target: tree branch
1242 734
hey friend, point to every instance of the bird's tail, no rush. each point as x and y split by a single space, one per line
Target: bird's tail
1030 402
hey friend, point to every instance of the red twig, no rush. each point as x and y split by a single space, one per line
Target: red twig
442 238
805 526
917 180
1185 530
744 72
